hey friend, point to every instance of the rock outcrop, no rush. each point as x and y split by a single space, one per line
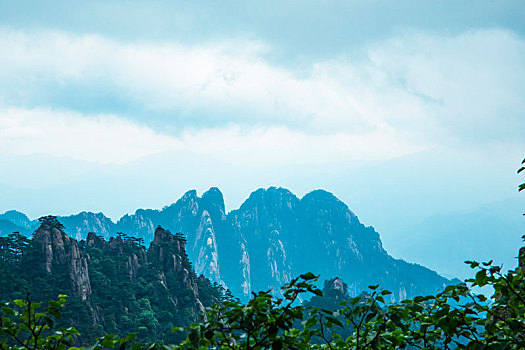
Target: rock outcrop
168 253
114 286
335 287
59 252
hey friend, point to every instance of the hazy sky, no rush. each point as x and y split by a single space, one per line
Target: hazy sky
403 109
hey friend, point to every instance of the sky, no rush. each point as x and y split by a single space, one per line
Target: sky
404 110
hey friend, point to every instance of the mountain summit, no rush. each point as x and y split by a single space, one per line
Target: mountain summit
272 237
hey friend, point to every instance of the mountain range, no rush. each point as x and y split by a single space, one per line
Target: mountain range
271 238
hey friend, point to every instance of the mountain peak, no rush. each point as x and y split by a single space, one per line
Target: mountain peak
14 214
162 235
213 191
58 249
335 287
272 195
320 194
213 195
189 195
17 218
324 198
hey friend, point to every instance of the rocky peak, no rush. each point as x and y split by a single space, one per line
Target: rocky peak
335 287
214 201
189 195
186 206
140 224
116 243
188 201
277 197
168 251
324 199
162 236
272 236
95 241
59 249
52 242
135 257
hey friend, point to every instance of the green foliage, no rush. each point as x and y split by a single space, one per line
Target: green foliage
455 318
23 325
264 322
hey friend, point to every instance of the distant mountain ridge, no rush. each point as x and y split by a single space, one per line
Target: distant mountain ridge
272 237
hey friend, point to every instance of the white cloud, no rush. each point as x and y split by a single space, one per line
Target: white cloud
471 84
401 96
104 139
110 139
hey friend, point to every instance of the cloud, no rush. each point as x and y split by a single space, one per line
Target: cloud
103 139
111 139
471 84
224 98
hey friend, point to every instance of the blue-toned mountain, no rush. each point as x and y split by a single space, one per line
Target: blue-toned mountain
272 237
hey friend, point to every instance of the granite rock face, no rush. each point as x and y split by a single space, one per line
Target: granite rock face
196 217
335 287
58 253
58 250
273 237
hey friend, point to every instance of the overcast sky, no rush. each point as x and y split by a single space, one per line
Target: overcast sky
402 109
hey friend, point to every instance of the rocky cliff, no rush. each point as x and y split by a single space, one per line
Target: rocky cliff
273 236
59 252
114 286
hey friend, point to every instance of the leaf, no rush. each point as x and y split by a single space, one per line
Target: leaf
355 300
521 169
310 323
308 276
488 263
335 321
317 292
8 311
20 303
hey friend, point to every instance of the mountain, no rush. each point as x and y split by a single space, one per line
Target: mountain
114 286
273 236
278 235
80 224
15 221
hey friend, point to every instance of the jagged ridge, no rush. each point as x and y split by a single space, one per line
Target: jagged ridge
115 286
272 237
